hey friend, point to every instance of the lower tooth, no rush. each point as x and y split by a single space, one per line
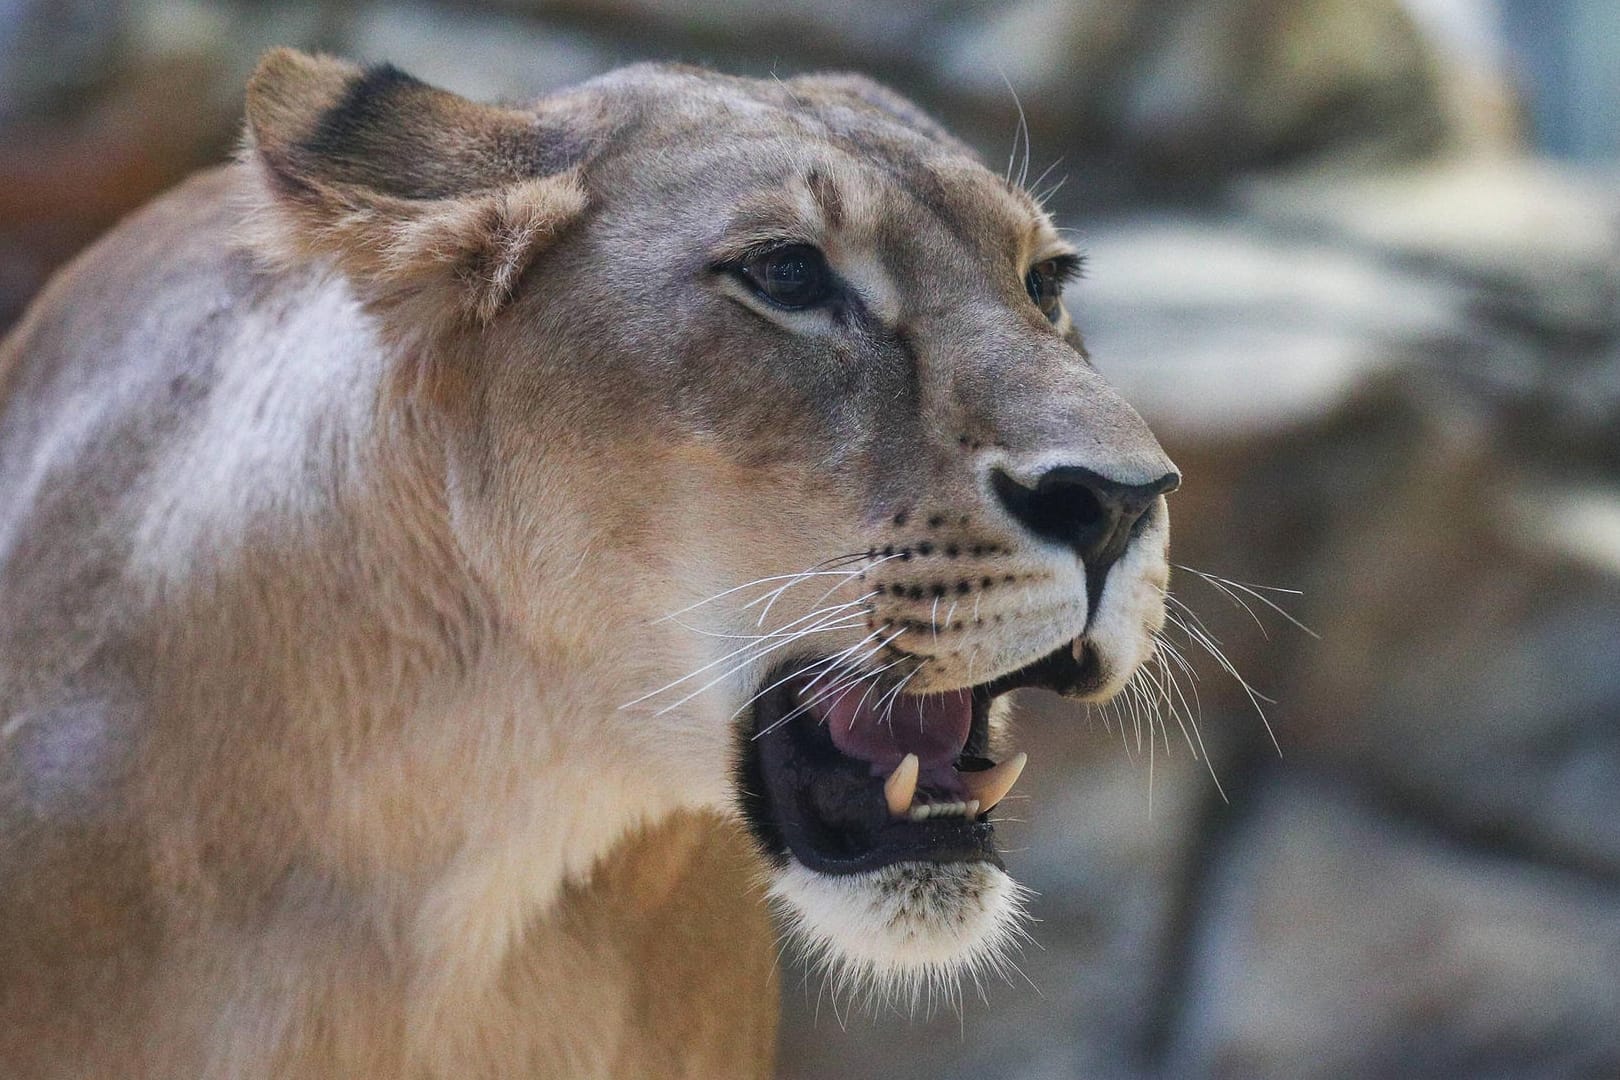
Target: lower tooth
923 811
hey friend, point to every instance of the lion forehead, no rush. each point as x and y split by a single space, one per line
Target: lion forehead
865 153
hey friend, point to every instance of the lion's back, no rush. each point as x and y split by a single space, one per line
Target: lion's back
95 379
93 383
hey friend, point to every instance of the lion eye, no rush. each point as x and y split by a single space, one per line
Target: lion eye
1044 283
792 277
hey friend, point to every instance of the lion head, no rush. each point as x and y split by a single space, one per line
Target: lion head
765 425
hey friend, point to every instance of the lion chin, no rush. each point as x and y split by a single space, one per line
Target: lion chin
907 933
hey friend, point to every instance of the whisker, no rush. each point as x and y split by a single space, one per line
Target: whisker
807 668
1245 584
1047 172
1185 716
805 706
1238 600
840 657
1253 590
847 575
788 629
1192 710
894 695
1021 132
747 660
1151 756
763 581
1174 653
873 685
855 622
1203 639
769 599
1209 762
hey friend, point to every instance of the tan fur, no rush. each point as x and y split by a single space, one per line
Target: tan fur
348 491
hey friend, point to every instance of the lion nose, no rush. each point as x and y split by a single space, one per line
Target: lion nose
1084 510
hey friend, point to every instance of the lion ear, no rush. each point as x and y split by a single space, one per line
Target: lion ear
420 196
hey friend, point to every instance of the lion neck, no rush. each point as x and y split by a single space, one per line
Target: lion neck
407 743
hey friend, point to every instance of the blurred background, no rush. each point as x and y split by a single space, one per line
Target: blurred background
1358 261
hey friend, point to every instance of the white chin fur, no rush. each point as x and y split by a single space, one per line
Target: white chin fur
905 932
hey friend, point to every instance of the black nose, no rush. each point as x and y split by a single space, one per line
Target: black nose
1076 507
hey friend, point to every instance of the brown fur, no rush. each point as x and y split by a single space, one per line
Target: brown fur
347 490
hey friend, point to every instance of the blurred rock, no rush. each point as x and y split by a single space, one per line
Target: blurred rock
1191 90
55 52
1336 943
1468 663
481 55
879 35
1216 328
1542 244
65 180
1256 82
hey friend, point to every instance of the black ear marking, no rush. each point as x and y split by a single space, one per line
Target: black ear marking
357 140
317 120
394 134
361 108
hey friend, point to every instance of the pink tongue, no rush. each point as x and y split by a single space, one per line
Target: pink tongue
933 726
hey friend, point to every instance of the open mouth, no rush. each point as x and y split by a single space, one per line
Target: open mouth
847 781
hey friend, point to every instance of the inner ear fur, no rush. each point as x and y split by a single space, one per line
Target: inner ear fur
421 197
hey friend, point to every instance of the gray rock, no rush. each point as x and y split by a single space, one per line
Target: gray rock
1218 329
1539 242
1469 657
484 56
881 35
1240 83
1336 943
1191 89
55 52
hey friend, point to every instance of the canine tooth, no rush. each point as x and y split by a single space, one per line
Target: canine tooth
991 786
901 786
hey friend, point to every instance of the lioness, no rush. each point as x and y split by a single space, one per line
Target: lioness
424 539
